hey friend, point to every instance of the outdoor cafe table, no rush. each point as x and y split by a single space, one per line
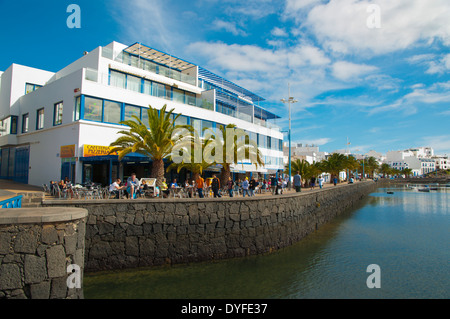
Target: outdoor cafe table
174 191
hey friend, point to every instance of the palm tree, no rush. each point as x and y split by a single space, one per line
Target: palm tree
298 165
407 172
154 141
231 154
385 169
352 164
192 165
370 165
334 165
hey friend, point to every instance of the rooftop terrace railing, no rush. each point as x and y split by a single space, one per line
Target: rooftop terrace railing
150 66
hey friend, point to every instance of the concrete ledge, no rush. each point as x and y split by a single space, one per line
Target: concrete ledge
38 215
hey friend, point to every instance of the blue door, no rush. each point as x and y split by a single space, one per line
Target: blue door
21 164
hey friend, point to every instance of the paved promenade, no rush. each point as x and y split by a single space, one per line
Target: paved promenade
9 189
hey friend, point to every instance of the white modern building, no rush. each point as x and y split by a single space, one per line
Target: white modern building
442 162
60 124
417 159
307 152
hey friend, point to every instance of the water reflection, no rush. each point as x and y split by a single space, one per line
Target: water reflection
405 233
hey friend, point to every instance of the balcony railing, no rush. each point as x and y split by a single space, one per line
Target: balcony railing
147 65
102 78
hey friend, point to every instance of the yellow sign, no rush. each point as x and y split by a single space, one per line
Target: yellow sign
67 151
96 150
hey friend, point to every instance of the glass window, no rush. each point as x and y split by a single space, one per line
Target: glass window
14 121
181 120
158 90
131 110
133 83
178 95
40 119
111 112
168 93
134 61
25 123
93 109
207 124
117 79
58 113
144 117
77 108
190 98
147 87
29 88
197 125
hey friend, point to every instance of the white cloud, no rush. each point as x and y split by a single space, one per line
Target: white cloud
440 143
341 25
435 64
231 27
349 71
279 32
316 141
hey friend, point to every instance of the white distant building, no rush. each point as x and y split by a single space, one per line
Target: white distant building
307 152
417 159
442 162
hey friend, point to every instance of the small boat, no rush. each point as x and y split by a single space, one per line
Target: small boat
390 192
447 185
424 189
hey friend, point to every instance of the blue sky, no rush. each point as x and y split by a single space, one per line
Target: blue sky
385 88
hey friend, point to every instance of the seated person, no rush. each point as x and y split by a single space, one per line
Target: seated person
132 186
115 188
174 183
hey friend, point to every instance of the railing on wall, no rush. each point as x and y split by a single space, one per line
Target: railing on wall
14 202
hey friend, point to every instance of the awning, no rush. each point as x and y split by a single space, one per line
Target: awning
158 57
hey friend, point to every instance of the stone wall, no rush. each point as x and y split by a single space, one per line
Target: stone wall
36 246
132 233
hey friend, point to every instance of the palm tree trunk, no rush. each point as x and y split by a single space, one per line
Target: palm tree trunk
158 171
225 173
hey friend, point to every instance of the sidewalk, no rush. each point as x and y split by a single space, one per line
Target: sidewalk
10 189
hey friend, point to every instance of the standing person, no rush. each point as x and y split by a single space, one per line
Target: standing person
132 185
237 185
230 186
298 182
164 188
273 184
335 180
200 183
252 186
215 186
320 181
245 186
313 182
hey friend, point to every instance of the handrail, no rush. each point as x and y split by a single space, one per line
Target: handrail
14 202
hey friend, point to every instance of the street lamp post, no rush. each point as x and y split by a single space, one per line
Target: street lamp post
290 100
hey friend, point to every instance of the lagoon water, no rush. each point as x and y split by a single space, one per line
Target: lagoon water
407 234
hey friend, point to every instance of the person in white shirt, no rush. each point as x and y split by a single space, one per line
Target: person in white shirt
115 188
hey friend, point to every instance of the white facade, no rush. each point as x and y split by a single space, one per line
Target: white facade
84 91
418 160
